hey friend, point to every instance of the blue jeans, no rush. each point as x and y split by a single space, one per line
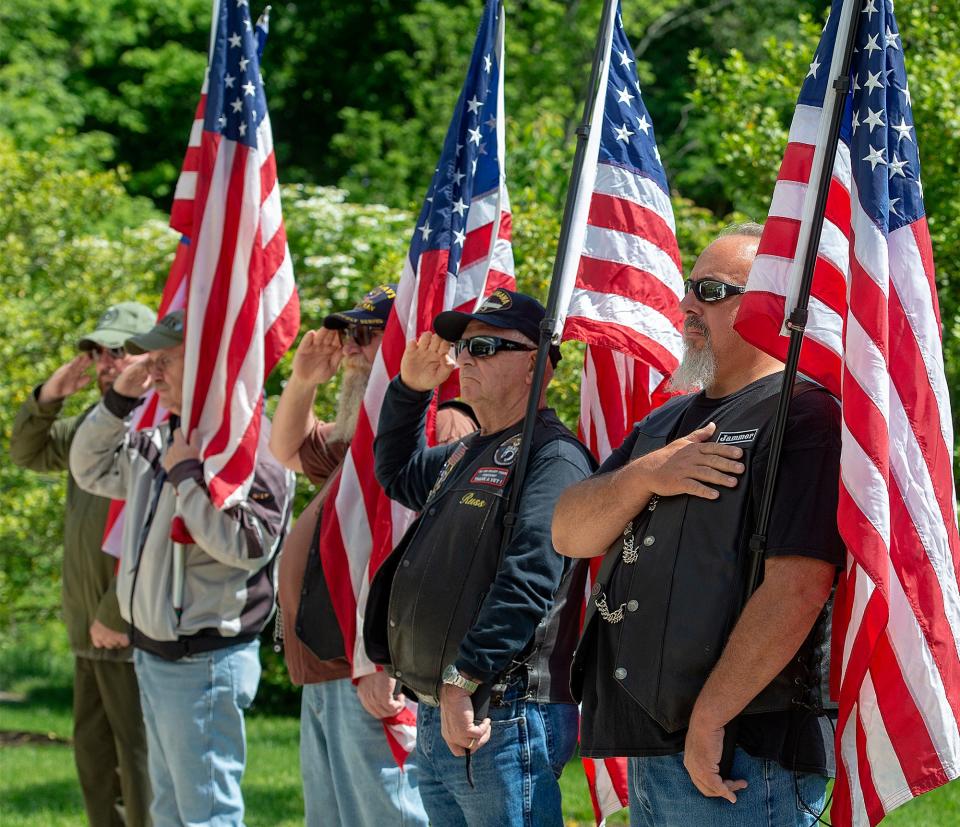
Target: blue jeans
662 794
350 777
196 744
515 772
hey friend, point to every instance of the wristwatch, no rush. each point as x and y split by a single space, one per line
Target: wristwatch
451 675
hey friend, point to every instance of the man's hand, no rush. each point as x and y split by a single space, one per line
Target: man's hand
426 362
456 721
375 692
701 757
180 450
318 357
686 465
67 379
134 380
103 637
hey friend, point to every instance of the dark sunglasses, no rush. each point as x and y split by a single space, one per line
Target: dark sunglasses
481 347
360 336
712 290
112 352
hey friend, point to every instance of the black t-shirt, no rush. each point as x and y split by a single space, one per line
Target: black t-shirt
802 522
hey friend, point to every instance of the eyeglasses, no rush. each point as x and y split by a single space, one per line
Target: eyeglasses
712 290
112 352
360 336
482 347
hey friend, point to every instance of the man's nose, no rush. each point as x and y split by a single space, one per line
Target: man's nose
689 303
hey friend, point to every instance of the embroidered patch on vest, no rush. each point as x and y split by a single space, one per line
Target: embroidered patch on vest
491 476
451 463
472 499
508 450
734 437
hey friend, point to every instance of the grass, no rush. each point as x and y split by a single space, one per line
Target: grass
38 786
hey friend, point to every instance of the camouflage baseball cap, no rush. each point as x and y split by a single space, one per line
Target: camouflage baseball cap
168 332
117 324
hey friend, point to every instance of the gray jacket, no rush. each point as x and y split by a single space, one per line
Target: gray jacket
229 583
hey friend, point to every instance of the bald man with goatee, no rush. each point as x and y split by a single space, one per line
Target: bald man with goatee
665 663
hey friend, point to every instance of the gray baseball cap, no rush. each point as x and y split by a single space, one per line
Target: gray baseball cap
168 332
117 324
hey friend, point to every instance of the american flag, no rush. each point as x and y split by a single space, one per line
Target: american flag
873 339
460 252
621 286
242 305
174 295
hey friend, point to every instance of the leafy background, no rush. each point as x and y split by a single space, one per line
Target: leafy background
97 98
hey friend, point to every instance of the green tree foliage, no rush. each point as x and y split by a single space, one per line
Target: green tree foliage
62 259
120 77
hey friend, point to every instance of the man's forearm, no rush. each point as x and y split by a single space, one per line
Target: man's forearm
293 420
591 514
773 626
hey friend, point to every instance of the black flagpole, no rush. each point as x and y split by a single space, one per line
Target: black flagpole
481 698
553 297
796 324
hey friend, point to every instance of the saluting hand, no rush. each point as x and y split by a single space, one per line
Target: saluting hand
67 379
134 380
426 362
691 465
318 357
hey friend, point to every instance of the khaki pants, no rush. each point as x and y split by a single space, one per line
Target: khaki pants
109 743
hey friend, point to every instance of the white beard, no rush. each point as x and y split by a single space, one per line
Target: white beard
698 367
356 374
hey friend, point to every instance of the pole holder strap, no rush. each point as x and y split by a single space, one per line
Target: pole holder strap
798 319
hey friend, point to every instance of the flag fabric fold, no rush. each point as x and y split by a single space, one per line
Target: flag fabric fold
242 305
174 296
620 289
460 251
874 340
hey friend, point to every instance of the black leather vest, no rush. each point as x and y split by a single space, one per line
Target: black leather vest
680 570
428 592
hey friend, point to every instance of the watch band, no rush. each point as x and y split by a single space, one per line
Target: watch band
453 677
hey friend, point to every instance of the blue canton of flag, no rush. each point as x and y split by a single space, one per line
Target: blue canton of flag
627 139
469 166
236 104
878 121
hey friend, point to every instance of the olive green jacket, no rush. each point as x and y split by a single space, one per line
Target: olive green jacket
41 442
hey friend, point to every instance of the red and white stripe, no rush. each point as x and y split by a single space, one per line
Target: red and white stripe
629 277
242 305
620 289
151 413
874 340
360 523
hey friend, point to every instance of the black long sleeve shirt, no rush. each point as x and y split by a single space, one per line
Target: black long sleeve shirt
530 569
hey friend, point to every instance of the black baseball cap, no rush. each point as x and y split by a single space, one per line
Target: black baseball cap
502 308
372 310
168 332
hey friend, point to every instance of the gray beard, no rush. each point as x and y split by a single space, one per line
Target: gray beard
356 374
697 368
